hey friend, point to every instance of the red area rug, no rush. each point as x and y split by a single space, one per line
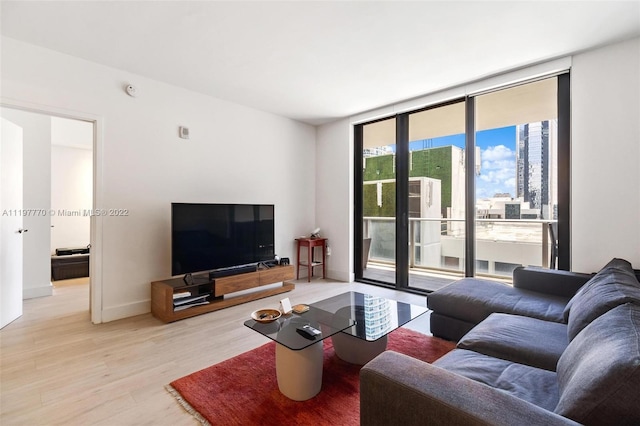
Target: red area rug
244 390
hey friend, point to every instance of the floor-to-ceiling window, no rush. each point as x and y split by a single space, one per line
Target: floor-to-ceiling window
427 212
516 179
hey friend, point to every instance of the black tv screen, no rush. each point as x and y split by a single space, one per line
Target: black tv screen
205 237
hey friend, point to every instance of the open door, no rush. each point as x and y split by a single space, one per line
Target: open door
11 230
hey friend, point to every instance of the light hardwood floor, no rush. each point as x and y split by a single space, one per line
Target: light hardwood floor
59 369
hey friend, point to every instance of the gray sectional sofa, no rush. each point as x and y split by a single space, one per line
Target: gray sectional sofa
554 348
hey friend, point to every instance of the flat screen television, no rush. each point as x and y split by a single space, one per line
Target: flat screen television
207 237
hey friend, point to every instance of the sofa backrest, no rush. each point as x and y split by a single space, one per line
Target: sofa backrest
613 285
599 372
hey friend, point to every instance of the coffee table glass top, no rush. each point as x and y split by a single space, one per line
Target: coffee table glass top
364 316
284 329
373 316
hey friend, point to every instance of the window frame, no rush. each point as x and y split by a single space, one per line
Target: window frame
402 184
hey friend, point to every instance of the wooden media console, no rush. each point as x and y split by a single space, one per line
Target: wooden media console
174 299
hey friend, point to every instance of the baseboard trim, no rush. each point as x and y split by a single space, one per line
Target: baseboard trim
339 276
126 311
40 291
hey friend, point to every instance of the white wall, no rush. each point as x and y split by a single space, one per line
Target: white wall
605 155
72 133
71 191
334 199
36 273
236 155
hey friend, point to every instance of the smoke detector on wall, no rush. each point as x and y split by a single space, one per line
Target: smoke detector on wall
131 90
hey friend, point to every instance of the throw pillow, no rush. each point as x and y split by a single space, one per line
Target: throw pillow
599 372
612 286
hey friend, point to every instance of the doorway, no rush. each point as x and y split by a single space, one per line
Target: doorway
59 168
71 200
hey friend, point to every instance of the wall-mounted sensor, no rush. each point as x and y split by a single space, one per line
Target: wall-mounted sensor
131 90
183 132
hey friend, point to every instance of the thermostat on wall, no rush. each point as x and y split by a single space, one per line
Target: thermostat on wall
184 132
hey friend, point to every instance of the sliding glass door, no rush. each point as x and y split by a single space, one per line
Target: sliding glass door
411 198
378 201
470 187
436 205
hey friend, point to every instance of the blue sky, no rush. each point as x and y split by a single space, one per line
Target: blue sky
498 155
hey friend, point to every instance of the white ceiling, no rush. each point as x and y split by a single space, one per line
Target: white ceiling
319 61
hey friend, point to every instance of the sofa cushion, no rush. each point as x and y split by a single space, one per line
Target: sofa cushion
535 385
599 373
612 286
524 340
473 300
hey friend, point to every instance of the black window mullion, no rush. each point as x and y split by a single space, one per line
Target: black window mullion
358 201
470 187
402 200
564 172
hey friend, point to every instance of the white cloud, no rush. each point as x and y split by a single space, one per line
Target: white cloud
497 153
498 172
510 182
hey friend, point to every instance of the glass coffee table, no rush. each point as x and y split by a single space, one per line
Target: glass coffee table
357 323
373 318
299 358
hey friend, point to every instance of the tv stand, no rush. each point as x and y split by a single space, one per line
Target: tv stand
202 296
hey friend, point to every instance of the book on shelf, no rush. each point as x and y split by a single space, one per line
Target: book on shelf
181 294
190 300
190 305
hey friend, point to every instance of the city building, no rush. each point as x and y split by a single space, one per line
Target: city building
536 174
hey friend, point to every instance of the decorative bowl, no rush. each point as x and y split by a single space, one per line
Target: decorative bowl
266 315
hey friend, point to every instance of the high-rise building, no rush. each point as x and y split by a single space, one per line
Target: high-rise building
535 178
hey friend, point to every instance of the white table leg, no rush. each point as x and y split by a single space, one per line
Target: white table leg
357 351
299 372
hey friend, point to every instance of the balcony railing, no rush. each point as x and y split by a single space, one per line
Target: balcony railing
439 244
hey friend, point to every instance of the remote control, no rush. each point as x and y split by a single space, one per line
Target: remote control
309 332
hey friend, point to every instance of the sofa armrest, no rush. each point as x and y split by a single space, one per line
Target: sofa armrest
398 389
549 281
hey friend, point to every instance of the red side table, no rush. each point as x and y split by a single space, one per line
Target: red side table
311 244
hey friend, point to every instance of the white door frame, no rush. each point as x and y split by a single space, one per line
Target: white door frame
95 259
